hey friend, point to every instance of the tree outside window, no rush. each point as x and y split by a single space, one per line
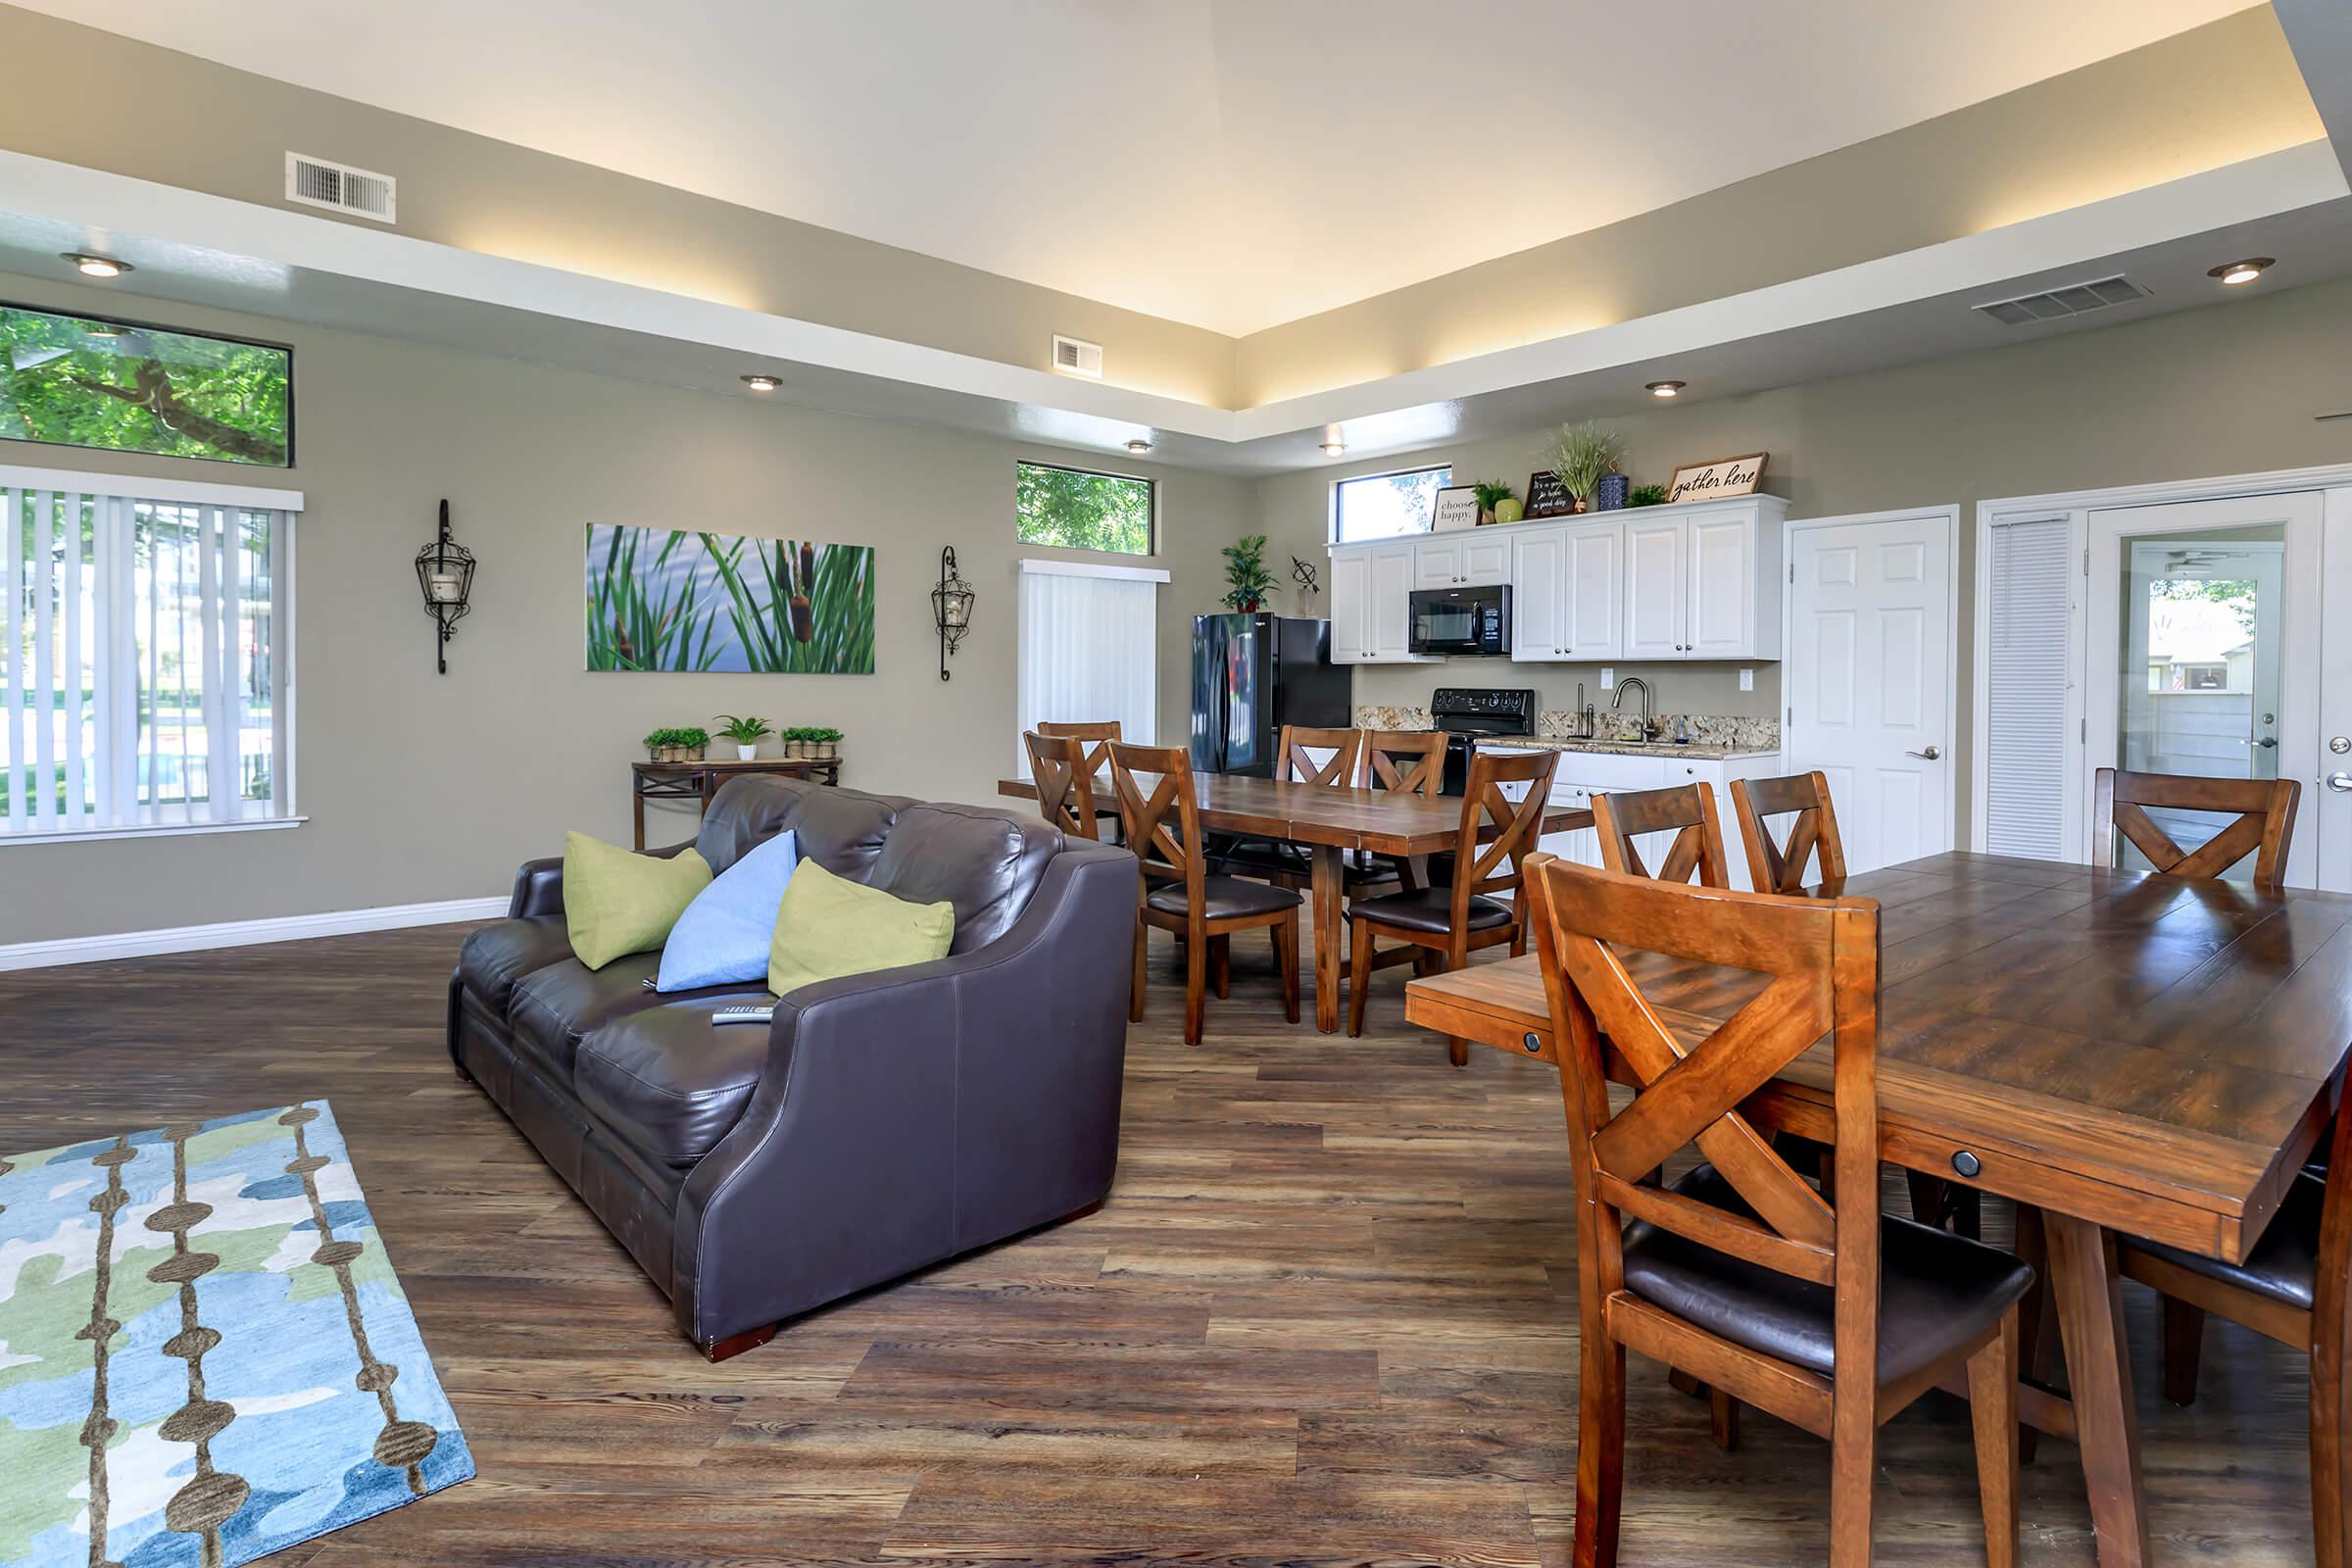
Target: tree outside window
1070 508
81 381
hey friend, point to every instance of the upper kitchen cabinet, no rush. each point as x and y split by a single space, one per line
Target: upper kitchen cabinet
1372 601
1566 592
1463 559
1704 581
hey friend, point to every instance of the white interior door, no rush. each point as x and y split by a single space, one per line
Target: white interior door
2328 808
1869 677
2203 652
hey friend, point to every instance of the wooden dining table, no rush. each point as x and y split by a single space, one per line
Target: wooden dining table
1328 822
2136 1053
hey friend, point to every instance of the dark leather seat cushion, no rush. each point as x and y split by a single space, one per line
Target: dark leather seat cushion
1223 897
1937 1291
1429 910
986 863
670 1081
2284 1264
497 955
553 1008
1268 858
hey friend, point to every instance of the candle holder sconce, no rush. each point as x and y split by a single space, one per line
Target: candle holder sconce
445 575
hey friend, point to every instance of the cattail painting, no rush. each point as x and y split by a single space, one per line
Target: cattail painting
684 600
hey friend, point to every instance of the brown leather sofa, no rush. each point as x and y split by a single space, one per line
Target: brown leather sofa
882 1122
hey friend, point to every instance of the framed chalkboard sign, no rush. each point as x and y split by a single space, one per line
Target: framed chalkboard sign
1546 496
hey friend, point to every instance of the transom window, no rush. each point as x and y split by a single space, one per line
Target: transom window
143 654
1073 509
1386 505
85 381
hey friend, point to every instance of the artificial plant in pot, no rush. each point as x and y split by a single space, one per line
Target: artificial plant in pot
744 733
1581 454
672 744
1497 501
824 741
1248 582
1647 495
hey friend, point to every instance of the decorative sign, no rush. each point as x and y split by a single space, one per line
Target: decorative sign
1546 497
1458 507
1725 476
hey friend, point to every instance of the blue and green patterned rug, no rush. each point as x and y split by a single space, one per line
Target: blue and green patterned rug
204 1352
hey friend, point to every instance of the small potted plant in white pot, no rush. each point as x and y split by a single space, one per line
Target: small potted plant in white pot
744 733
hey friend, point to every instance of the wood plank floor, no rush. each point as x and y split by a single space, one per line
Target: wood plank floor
1326 1316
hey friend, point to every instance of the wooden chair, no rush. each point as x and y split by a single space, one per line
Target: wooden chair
1688 811
1442 926
1097 737
2292 1288
1411 762
2263 811
1287 865
1833 1318
1066 786
1177 892
1813 836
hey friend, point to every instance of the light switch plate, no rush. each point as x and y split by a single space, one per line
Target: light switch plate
1748 680
1608 678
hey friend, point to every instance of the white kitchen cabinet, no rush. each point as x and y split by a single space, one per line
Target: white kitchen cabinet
1593 605
1389 623
1351 605
1705 583
1466 559
1566 593
1657 578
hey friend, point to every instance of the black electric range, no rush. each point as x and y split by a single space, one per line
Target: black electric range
1470 714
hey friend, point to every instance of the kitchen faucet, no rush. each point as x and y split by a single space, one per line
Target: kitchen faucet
1634 681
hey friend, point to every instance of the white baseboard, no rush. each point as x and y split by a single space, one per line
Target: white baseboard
245 933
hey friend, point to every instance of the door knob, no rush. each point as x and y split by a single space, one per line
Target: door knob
1932 754
2341 783
2266 741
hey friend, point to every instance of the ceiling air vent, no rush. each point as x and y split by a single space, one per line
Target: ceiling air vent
2076 299
338 188
1073 357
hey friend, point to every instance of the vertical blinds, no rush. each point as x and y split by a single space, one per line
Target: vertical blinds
139 662
1088 651
2027 670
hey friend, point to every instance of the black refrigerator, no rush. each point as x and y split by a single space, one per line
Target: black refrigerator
1253 675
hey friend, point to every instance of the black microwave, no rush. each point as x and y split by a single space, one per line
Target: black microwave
1462 621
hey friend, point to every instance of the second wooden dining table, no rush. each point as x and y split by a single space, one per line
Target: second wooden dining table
1328 822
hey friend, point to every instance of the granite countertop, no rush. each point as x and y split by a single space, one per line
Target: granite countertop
1710 750
1714 737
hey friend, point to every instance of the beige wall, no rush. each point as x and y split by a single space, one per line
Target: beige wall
2230 388
422 787
492 196
2204 99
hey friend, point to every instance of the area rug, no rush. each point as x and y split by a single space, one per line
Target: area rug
205 1355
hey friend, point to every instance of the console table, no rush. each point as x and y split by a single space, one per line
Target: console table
699 781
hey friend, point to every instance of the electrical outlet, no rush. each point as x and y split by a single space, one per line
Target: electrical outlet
1748 680
1608 678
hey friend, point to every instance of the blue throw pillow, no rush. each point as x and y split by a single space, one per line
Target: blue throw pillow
725 933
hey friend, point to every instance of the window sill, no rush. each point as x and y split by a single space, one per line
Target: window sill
168 830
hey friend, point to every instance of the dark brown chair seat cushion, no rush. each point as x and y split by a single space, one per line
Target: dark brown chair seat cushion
1263 856
2284 1264
1429 910
1937 1291
1224 897
497 955
669 1080
555 1008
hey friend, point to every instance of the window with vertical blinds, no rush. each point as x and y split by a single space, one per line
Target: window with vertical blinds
2026 671
143 640
1089 648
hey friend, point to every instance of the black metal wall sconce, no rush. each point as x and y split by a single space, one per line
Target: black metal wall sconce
445 574
951 607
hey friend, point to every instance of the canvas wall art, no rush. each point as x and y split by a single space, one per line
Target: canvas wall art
675 599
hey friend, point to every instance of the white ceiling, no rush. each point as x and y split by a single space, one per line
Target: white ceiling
1234 164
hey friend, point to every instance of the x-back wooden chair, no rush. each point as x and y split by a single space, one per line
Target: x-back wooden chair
1178 894
1700 1274
1813 836
1287 865
1687 811
2263 826
1095 735
1409 761
1442 926
1065 787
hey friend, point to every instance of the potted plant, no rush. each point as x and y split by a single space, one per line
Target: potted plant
1497 501
1647 495
676 745
1247 579
826 740
744 733
1579 455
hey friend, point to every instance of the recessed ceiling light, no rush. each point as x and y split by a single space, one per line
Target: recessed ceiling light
1664 389
1138 446
763 384
2245 271
1332 449
90 266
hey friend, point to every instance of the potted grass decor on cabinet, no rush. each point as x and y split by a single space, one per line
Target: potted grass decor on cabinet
677 745
746 733
1579 455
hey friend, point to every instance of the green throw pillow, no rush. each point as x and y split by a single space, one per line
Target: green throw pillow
828 926
616 903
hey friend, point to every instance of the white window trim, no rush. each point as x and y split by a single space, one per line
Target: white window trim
192 492
2333 480
1091 569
